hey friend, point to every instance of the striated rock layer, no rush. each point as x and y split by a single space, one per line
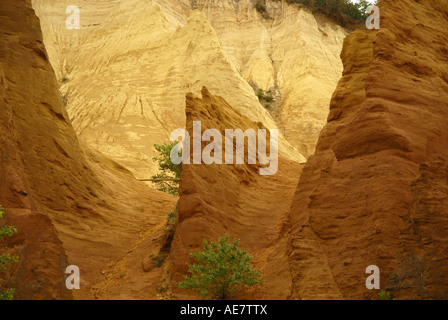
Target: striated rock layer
290 52
375 192
124 74
221 198
70 205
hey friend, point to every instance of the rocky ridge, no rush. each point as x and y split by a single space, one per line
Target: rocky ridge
374 192
71 205
125 72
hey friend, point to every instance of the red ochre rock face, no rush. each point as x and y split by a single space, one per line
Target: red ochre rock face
235 199
375 191
70 204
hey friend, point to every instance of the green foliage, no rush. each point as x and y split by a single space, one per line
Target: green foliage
268 97
385 295
265 96
357 11
170 228
222 269
160 258
171 218
162 288
7 294
168 169
6 259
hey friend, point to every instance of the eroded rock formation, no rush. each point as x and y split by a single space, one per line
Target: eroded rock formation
375 191
70 205
124 74
235 199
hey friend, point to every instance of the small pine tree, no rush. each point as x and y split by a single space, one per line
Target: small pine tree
6 259
222 270
168 170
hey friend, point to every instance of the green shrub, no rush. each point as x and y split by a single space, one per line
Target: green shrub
171 218
6 259
357 11
170 228
261 95
167 238
7 294
268 96
168 169
222 269
385 295
160 258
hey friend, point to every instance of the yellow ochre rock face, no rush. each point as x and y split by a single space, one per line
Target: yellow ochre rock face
124 74
373 193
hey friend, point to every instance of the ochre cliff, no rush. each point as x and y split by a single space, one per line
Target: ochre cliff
124 74
235 199
375 191
70 205
291 52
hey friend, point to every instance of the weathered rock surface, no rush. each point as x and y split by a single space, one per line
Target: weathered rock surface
125 72
375 191
292 53
221 198
70 205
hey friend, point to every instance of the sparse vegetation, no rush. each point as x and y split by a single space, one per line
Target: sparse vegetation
162 288
65 80
170 228
260 6
266 96
160 258
168 169
64 95
6 258
385 295
222 269
340 10
64 99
